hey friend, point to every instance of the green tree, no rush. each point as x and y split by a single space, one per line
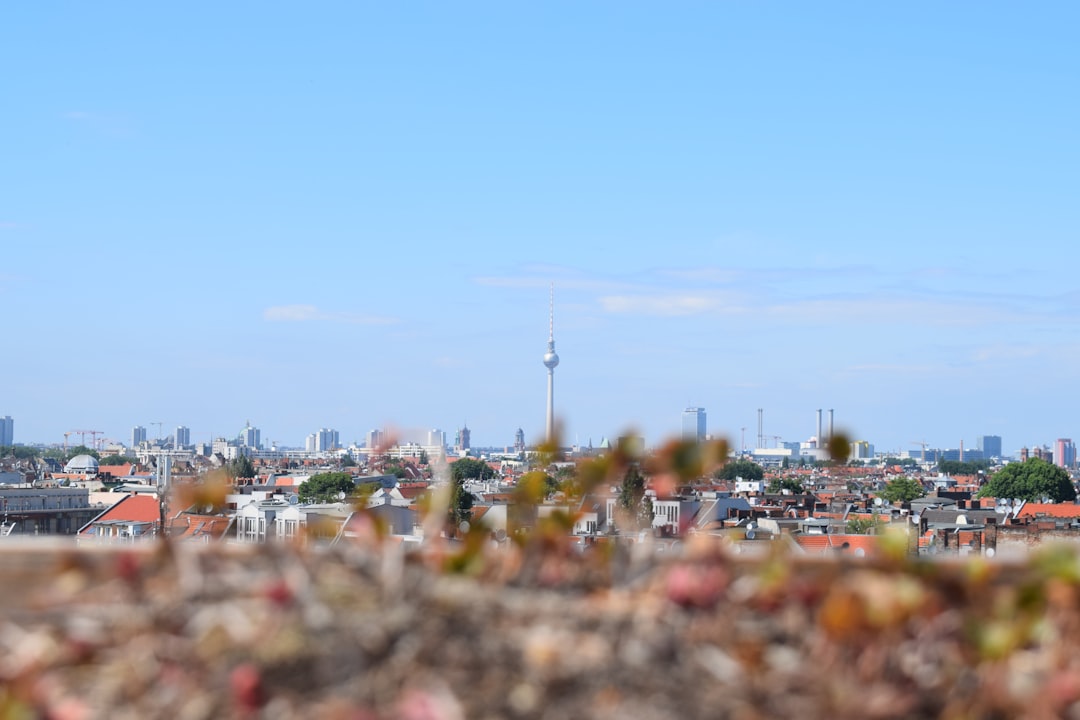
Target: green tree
461 502
81 450
347 461
396 469
471 469
632 498
326 487
19 452
955 467
779 485
862 526
746 469
901 489
241 467
1031 480
116 460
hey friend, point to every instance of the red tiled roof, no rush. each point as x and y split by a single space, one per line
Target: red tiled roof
133 508
846 544
1031 510
116 470
188 526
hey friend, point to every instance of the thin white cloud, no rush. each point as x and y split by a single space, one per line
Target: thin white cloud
891 368
668 304
310 313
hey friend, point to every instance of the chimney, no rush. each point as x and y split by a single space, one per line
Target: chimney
830 423
819 438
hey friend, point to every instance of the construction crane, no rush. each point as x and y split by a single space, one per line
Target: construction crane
82 434
924 445
742 449
776 440
159 424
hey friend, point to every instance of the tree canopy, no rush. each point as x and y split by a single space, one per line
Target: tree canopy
746 469
326 487
632 498
792 485
471 469
116 460
20 452
955 467
241 467
901 489
1031 480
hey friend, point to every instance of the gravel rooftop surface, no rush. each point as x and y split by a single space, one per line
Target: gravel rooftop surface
536 632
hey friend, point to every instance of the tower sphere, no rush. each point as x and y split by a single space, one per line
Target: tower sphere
551 359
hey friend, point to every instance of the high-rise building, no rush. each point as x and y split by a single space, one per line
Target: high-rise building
551 361
374 438
182 438
436 438
250 437
990 445
324 440
1064 453
138 436
693 424
519 440
7 431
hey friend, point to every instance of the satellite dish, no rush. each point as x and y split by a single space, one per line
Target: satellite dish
878 501
341 495
859 552
500 535
294 499
750 534
990 552
464 526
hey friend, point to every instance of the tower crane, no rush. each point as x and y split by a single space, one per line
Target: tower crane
776 440
82 434
159 424
924 445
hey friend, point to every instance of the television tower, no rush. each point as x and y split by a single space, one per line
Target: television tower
551 360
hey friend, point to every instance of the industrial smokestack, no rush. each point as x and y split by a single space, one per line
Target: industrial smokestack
819 438
830 423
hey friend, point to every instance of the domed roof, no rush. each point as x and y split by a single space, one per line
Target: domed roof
85 464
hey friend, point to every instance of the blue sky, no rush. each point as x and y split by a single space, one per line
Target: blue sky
348 215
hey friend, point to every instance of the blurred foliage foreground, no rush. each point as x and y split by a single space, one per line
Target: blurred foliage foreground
538 630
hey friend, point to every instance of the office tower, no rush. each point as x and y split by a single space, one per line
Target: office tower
138 436
990 445
250 437
551 360
374 439
182 438
1064 453
693 424
436 438
7 431
324 440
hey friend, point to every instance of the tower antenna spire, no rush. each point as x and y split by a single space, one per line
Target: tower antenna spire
551 316
551 360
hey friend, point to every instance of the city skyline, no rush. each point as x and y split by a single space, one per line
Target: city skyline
350 218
